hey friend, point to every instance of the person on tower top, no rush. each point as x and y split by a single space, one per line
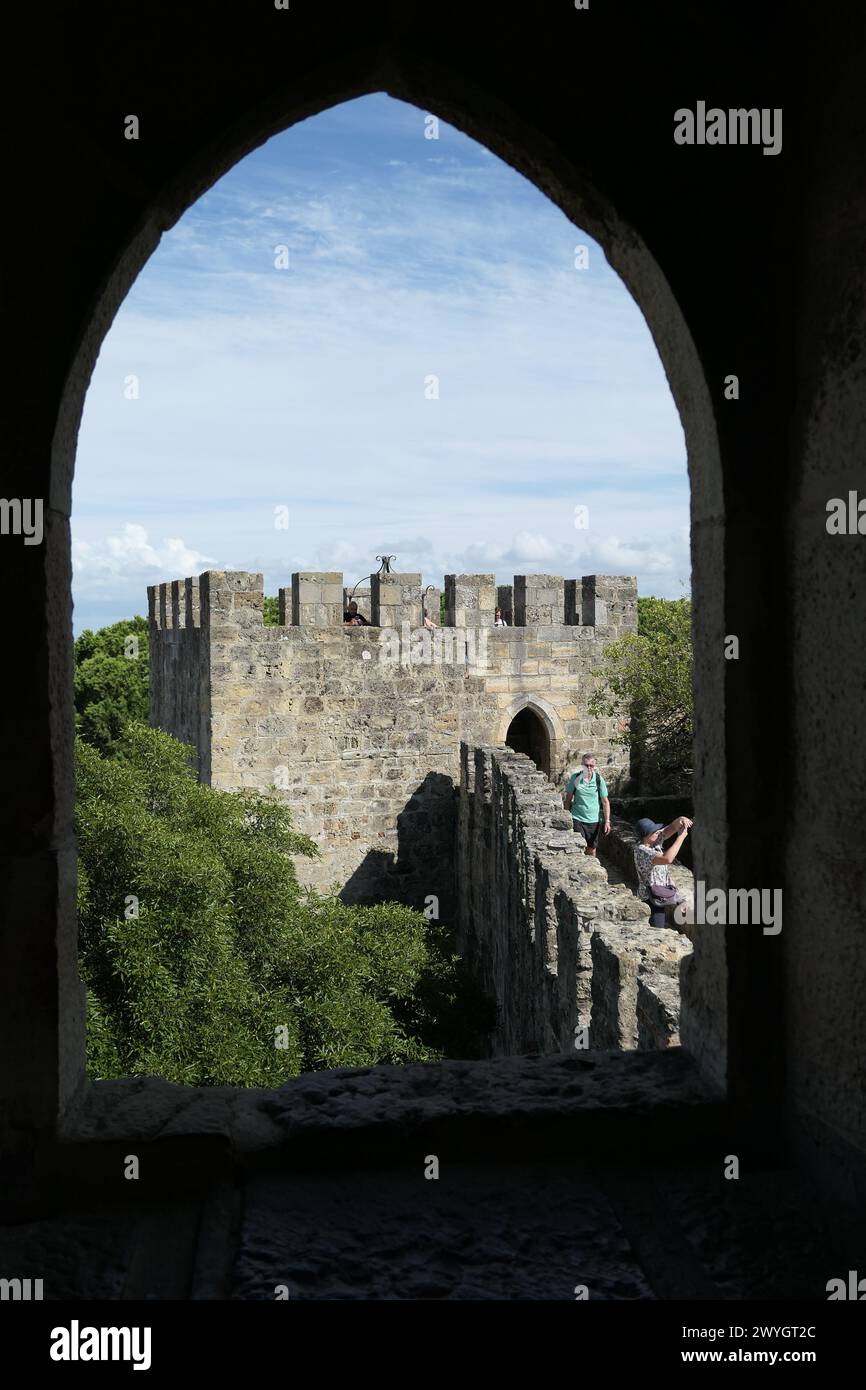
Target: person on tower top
353 617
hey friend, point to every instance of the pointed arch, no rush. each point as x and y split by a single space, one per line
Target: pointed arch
550 721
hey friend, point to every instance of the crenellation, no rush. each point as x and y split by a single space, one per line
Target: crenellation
192 602
178 603
360 594
395 599
470 600
505 602
539 600
317 599
231 599
609 601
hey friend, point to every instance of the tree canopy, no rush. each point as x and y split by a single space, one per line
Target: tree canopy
111 680
206 963
112 674
645 680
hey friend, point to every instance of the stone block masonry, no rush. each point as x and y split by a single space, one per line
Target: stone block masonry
363 745
178 688
545 930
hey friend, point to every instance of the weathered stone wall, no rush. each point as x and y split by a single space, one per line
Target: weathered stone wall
543 927
358 729
178 672
628 961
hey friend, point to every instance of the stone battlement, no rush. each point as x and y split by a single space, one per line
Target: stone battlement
318 598
545 929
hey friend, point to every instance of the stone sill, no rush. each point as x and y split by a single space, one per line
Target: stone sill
605 1103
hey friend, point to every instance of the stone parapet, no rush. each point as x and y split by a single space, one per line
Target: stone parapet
317 598
395 599
470 600
620 958
539 599
609 600
532 907
174 605
657 1011
231 599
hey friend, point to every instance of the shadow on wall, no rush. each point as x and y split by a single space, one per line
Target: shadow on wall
423 866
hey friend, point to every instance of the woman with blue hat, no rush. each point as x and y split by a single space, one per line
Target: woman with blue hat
653 864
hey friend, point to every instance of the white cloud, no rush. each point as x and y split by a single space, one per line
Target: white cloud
529 549
130 556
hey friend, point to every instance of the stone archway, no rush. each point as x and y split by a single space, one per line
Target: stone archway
528 734
531 725
43 975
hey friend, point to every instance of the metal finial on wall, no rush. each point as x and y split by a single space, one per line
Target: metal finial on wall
385 566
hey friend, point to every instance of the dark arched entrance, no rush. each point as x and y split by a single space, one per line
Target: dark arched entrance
528 734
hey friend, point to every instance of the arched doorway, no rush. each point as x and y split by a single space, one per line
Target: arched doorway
527 733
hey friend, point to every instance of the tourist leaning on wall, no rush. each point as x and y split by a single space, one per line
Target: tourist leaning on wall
653 864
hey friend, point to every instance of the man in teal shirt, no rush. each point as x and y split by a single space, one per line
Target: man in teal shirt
587 799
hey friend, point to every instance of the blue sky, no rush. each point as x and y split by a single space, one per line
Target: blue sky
304 387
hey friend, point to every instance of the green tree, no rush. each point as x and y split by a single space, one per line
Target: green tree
111 680
646 682
111 677
200 951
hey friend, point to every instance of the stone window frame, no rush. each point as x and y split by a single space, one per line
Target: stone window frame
52 1085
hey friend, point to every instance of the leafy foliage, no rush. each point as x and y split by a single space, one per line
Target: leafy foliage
111 687
646 680
228 954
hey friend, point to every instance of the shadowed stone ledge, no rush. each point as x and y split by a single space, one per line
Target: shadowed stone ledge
598 1103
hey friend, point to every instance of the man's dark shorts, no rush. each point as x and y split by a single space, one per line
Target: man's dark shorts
589 832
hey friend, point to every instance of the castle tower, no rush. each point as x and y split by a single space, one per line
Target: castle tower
358 729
